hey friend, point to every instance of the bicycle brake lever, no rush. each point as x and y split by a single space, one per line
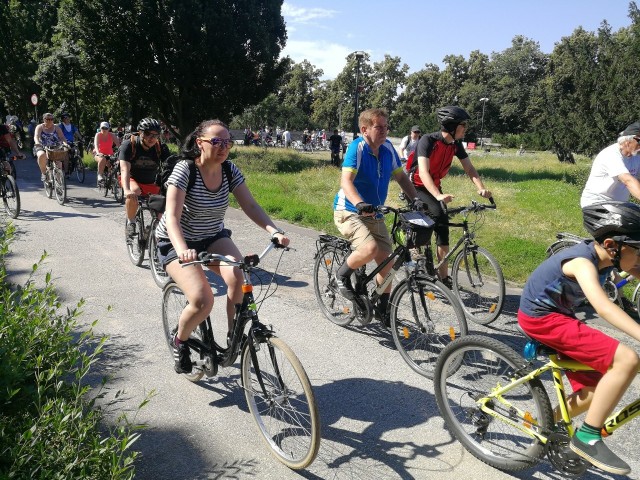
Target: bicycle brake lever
252 260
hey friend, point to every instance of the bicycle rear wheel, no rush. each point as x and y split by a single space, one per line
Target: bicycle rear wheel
425 317
334 306
11 196
48 183
479 284
157 270
136 244
281 401
173 302
467 371
60 185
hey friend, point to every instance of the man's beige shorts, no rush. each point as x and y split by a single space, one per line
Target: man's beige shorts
360 230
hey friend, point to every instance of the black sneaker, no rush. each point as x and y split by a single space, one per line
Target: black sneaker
600 456
344 287
448 282
629 307
131 229
181 356
383 317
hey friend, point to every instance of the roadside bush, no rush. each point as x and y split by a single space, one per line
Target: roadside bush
49 427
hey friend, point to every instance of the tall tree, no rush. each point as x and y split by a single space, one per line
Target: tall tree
387 78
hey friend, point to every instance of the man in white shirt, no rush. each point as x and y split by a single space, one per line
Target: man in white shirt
409 143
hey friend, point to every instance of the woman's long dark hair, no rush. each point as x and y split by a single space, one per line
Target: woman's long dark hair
190 148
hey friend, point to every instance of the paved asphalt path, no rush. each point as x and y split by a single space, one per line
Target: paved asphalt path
379 418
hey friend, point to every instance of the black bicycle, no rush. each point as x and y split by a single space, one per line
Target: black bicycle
110 179
476 276
55 180
75 161
424 314
276 386
8 186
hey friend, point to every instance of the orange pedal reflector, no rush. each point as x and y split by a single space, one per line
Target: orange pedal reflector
405 332
430 295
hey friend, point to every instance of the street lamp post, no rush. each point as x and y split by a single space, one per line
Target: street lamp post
484 101
359 56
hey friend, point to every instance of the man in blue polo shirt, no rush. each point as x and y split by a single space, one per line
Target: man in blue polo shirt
369 164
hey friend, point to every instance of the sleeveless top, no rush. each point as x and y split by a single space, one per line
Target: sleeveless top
105 145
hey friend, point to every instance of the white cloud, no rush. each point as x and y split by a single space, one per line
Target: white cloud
294 14
329 57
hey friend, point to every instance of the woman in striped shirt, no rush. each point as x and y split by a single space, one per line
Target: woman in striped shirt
194 221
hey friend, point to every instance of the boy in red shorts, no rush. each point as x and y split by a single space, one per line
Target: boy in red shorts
547 314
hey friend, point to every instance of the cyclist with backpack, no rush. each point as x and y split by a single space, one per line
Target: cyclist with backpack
198 190
140 158
435 153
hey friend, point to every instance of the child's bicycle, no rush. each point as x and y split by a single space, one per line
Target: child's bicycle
275 384
493 401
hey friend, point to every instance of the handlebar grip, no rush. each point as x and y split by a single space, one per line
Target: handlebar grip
252 260
491 201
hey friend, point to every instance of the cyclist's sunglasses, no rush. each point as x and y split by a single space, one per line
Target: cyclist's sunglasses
219 142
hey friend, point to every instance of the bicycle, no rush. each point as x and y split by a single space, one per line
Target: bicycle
145 233
8 187
276 386
494 402
611 287
8 158
55 180
110 179
156 203
424 314
75 161
476 276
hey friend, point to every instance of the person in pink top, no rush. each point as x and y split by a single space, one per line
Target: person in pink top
103 145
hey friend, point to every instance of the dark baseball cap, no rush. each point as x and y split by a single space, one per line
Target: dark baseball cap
633 129
415 128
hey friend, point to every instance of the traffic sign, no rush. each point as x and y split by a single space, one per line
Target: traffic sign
34 99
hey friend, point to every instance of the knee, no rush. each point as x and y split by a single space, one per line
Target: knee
369 249
203 301
627 359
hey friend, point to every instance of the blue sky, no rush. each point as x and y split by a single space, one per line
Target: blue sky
422 31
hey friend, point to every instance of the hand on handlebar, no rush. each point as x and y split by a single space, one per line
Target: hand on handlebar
445 198
280 239
188 255
484 193
417 204
365 209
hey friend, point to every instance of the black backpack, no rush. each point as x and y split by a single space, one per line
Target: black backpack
169 164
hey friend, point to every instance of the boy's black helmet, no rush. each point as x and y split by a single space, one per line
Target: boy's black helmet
149 124
451 116
613 219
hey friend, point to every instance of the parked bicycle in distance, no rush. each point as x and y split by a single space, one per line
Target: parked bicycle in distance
424 314
494 403
8 186
55 180
276 386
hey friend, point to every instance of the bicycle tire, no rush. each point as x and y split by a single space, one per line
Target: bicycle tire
482 295
80 169
13 172
425 316
287 414
48 183
468 370
560 245
118 193
10 196
136 245
334 306
60 185
107 184
158 272
173 302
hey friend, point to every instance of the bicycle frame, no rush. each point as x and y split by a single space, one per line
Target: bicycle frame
526 422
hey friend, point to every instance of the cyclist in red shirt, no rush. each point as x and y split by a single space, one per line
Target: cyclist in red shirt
435 153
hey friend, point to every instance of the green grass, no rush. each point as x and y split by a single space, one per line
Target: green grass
537 197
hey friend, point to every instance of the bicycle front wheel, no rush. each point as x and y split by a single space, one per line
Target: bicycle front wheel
425 317
80 169
157 270
494 430
118 193
11 196
334 306
281 401
60 185
479 284
173 303
135 244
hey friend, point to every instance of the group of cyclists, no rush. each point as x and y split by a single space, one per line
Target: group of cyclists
197 197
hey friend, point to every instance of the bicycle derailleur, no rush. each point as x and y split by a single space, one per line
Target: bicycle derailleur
562 457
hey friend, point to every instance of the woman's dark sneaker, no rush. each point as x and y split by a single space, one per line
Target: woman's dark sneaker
181 357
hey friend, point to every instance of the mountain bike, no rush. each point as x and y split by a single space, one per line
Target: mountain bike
424 315
55 180
493 401
476 276
146 220
9 188
110 179
75 161
611 287
275 384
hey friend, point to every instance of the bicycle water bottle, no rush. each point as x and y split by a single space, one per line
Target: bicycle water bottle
530 351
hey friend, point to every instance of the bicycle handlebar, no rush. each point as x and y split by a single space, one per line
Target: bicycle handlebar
474 207
249 261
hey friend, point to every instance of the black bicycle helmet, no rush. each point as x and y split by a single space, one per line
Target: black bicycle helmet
149 124
617 220
451 116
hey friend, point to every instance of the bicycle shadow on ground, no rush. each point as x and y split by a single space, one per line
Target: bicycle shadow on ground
42 216
366 449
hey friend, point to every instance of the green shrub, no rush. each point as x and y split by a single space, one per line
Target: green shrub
49 427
